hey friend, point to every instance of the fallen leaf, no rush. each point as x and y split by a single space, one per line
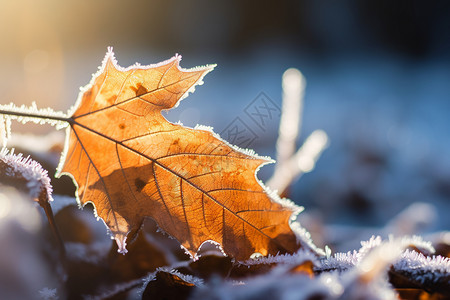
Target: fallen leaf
211 265
306 268
131 163
92 269
169 285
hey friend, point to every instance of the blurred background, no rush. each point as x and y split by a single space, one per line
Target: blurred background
378 82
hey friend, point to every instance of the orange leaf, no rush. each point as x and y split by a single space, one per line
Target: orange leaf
131 163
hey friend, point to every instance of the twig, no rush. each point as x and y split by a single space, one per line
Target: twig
291 165
303 161
37 115
51 220
293 84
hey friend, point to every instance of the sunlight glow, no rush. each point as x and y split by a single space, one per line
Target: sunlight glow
5 206
36 61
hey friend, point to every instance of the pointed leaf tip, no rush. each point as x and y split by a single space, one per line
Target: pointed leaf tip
121 243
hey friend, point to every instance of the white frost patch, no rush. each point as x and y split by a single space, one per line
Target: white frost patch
204 128
217 246
289 259
366 246
418 242
340 261
48 294
346 261
423 268
36 177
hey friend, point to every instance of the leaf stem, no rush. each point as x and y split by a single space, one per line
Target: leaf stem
32 115
51 220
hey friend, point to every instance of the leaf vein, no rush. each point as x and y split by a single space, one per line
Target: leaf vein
178 175
99 175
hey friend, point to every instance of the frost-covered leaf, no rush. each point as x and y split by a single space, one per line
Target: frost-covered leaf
132 163
345 261
25 173
169 284
300 262
415 270
210 265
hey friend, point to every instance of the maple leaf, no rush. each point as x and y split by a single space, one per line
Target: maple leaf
131 163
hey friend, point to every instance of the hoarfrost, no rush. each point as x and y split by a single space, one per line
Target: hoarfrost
16 166
423 269
25 114
291 259
5 129
198 282
345 261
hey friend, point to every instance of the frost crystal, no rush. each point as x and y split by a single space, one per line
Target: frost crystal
346 261
291 259
424 269
366 246
305 238
187 278
15 166
340 261
418 242
25 114
198 282
5 129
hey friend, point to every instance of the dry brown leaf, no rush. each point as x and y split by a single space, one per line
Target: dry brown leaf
168 285
132 163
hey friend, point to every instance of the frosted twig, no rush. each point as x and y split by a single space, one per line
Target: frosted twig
25 114
432 272
293 84
291 165
303 161
5 129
